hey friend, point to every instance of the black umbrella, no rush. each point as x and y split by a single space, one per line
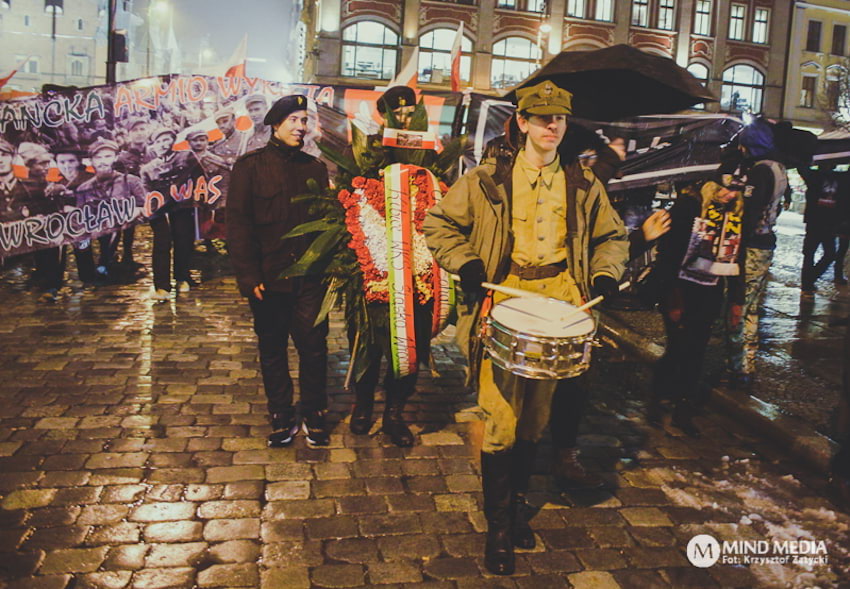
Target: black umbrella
619 82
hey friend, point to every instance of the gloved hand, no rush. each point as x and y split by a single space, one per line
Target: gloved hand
471 276
604 285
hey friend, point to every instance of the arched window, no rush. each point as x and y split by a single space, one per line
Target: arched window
743 87
369 51
700 72
435 56
514 58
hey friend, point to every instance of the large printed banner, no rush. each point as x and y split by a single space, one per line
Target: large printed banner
83 163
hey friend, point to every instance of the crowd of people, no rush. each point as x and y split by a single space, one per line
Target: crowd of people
533 216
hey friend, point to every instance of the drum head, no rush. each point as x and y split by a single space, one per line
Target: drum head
544 317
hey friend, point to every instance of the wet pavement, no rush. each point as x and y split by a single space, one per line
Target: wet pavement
800 360
132 452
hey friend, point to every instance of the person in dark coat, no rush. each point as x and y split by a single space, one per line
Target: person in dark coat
822 218
700 265
259 211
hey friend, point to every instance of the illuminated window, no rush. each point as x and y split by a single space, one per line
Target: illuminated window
369 51
435 56
575 8
742 90
700 72
514 58
702 17
666 11
737 16
808 90
761 21
604 10
640 13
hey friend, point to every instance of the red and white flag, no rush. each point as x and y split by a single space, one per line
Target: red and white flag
236 64
409 74
456 51
5 80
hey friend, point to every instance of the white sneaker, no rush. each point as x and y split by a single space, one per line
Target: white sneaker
183 286
160 295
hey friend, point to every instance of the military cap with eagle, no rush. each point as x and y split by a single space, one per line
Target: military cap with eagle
284 107
396 97
545 98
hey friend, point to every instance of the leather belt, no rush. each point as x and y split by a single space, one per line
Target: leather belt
537 272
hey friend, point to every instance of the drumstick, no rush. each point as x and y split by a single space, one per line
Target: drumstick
511 292
593 302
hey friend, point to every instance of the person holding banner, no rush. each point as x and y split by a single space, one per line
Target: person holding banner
173 224
524 222
700 266
13 194
260 210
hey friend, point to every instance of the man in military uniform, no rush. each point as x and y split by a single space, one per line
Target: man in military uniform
539 224
259 211
257 106
401 101
229 146
108 183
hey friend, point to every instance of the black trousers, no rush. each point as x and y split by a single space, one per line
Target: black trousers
688 312
568 404
50 266
109 246
817 235
173 229
397 390
278 316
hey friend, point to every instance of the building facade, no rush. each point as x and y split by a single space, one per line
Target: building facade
737 47
817 63
61 39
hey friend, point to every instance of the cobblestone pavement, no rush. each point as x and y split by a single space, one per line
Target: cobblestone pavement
800 361
132 452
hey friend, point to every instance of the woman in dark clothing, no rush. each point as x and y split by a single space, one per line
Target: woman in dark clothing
700 265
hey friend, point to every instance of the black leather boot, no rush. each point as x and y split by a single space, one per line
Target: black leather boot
394 425
361 413
496 481
398 391
570 474
524 452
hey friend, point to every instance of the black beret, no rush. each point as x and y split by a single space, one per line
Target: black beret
396 97
283 107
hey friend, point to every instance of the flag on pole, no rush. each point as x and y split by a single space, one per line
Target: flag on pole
4 81
236 64
456 50
408 75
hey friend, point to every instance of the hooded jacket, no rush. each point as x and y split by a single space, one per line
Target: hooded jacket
473 220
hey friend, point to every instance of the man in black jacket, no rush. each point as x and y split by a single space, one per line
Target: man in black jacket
260 210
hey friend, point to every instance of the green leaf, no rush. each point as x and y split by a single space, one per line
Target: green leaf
323 246
345 163
310 227
419 118
330 302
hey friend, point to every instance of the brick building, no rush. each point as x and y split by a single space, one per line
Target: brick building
738 47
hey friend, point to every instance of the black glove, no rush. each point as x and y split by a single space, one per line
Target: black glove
471 276
604 285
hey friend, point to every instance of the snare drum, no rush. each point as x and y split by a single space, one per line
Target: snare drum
534 338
